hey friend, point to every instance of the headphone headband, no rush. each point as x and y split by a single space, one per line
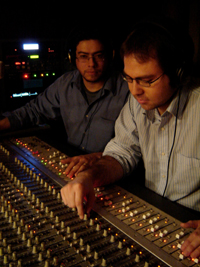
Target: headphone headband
180 42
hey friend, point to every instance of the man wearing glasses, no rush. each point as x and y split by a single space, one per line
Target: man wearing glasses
160 123
88 99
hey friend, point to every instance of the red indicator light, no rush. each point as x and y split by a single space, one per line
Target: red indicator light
17 63
50 50
25 76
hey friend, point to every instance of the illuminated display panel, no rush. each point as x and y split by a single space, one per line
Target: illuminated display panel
31 46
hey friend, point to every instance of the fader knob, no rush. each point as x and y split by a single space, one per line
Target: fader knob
48 253
46 264
4 242
34 250
105 233
98 228
103 263
19 230
112 239
42 246
91 223
88 249
120 245
14 225
40 256
29 243
128 252
96 256
9 250
81 242
58 196
46 209
137 258
54 191
62 224
19 263
14 256
74 235
5 259
55 261
36 240
23 236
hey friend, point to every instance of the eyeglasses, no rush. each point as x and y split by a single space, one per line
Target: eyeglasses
140 81
84 58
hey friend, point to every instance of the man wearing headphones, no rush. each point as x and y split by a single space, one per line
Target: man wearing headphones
160 123
88 99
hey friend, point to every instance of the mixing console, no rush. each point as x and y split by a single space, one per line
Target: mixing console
37 229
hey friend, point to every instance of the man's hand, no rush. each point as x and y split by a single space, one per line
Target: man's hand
106 170
76 191
80 163
191 246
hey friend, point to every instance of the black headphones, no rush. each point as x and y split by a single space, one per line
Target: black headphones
70 57
182 43
88 33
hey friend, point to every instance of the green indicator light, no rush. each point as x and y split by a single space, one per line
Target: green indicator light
42 161
53 74
17 143
47 74
34 56
45 163
59 173
35 75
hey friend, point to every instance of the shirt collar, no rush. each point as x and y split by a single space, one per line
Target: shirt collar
109 85
182 93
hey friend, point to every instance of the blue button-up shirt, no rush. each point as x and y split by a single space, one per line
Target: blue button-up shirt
88 126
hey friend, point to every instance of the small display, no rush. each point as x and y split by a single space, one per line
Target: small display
31 47
24 94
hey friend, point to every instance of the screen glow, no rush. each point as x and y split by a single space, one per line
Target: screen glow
31 46
23 94
34 56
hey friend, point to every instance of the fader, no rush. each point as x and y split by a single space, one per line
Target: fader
37 229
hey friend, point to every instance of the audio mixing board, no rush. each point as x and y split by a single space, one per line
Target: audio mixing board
37 229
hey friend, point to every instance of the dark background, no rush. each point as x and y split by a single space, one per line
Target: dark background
55 19
47 20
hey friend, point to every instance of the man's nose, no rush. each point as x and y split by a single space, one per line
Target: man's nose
135 88
91 61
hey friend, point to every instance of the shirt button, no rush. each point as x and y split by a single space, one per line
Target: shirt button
163 176
163 128
163 153
86 116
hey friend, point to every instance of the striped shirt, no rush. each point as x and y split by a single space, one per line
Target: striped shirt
146 134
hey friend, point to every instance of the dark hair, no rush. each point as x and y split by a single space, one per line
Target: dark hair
90 32
161 40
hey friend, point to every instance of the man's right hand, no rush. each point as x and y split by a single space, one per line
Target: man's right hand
75 192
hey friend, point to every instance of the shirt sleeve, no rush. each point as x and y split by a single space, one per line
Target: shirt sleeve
124 147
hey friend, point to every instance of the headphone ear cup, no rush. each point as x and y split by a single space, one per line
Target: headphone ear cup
69 57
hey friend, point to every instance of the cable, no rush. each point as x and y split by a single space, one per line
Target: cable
175 127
